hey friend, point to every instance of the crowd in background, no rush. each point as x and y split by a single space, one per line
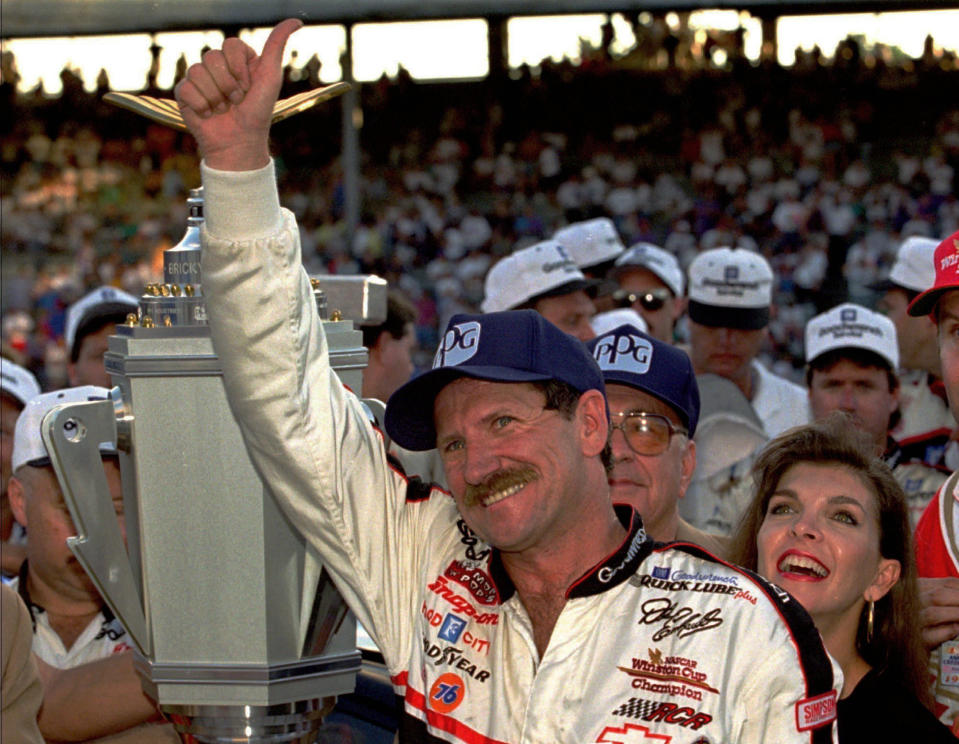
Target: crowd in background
824 167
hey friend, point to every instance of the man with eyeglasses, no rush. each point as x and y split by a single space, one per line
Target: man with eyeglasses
651 282
654 407
522 605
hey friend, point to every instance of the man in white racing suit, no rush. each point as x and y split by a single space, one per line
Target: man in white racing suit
520 606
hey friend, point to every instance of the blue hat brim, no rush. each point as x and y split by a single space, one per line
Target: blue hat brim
689 421
409 411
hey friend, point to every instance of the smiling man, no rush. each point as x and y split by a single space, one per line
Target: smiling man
521 606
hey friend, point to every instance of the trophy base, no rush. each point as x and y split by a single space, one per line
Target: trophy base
287 723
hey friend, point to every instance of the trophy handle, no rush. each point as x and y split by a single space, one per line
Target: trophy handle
72 434
165 111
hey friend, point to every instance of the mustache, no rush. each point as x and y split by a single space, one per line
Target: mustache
501 479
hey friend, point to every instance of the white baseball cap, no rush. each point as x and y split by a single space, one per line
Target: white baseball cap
101 303
851 326
542 270
653 258
28 447
17 382
607 321
591 242
730 288
914 268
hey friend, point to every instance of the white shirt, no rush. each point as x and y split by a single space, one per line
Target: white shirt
779 403
103 637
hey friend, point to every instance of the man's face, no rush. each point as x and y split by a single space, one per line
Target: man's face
660 321
862 392
516 470
916 336
726 352
948 314
652 484
89 369
39 506
8 420
570 312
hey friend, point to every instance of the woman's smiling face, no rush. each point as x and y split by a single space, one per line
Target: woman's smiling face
819 540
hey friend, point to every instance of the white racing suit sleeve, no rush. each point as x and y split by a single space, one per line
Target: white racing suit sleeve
307 435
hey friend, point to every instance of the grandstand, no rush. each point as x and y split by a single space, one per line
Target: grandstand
816 164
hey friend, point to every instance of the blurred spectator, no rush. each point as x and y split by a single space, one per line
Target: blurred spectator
925 423
90 321
542 277
17 387
652 283
91 198
90 688
853 356
390 346
730 293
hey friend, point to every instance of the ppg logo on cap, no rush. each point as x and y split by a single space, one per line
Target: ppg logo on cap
624 353
848 316
460 344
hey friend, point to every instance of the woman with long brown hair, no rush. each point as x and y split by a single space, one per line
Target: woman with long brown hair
828 524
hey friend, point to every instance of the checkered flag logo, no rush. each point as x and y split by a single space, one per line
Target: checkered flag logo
637 708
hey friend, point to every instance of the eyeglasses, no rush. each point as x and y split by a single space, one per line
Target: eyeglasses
646 433
651 300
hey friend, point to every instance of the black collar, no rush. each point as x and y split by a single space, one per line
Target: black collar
611 571
31 605
893 453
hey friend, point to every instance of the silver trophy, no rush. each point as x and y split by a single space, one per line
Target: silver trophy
240 634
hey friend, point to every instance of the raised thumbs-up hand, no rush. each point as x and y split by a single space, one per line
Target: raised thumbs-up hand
227 100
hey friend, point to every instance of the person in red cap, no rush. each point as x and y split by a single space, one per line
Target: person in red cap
937 534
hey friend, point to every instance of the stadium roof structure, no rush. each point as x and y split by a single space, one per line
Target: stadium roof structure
40 18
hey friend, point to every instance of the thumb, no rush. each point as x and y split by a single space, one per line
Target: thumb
272 55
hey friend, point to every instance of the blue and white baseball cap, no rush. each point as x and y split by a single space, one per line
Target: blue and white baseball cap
511 346
628 356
